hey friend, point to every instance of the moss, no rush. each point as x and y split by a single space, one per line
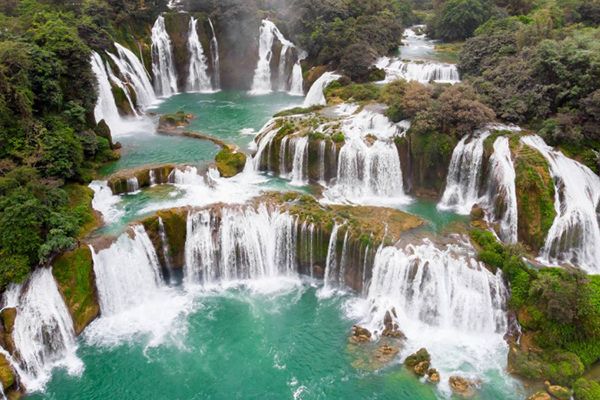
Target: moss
7 376
175 222
74 273
230 162
430 154
586 389
175 120
535 196
298 111
8 316
80 206
121 101
338 137
356 92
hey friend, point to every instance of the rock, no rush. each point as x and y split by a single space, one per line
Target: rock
558 392
433 375
7 376
477 213
360 334
385 353
462 386
230 162
390 328
419 356
421 368
541 395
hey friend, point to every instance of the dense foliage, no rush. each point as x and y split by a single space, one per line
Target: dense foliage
48 136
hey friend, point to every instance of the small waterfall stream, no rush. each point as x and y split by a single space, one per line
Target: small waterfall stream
106 107
133 72
464 174
315 96
198 80
574 237
43 332
215 61
163 65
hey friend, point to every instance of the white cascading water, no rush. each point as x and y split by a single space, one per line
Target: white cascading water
299 174
464 174
43 332
262 82
133 71
423 72
116 81
105 201
163 65
315 96
331 263
133 297
574 236
297 79
106 107
127 273
239 244
215 61
198 79
444 300
501 186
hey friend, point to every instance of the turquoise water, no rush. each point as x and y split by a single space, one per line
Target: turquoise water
221 114
240 345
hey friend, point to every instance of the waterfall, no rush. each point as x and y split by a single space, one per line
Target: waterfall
574 236
104 201
132 185
282 157
133 71
127 273
122 86
501 197
464 174
322 164
163 65
43 332
165 248
331 264
198 80
446 288
152 177
299 161
261 83
297 80
315 96
106 107
240 244
423 72
214 52
368 171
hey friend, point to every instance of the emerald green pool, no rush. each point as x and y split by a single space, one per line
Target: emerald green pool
239 344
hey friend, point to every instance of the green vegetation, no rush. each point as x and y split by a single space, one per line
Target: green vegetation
175 120
74 273
558 310
297 111
230 162
586 389
342 90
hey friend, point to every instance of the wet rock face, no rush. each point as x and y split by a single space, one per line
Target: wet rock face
391 328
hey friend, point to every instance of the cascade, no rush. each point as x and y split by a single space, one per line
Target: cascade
132 70
282 157
214 52
343 261
322 165
163 65
165 248
500 200
423 72
261 83
368 171
331 264
315 96
127 273
198 80
122 86
442 288
300 161
43 332
574 236
132 185
152 177
464 174
104 201
106 107
240 244
297 80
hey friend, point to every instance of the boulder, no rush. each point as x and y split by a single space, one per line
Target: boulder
421 368
416 358
541 395
360 334
462 386
386 353
558 392
433 375
390 328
